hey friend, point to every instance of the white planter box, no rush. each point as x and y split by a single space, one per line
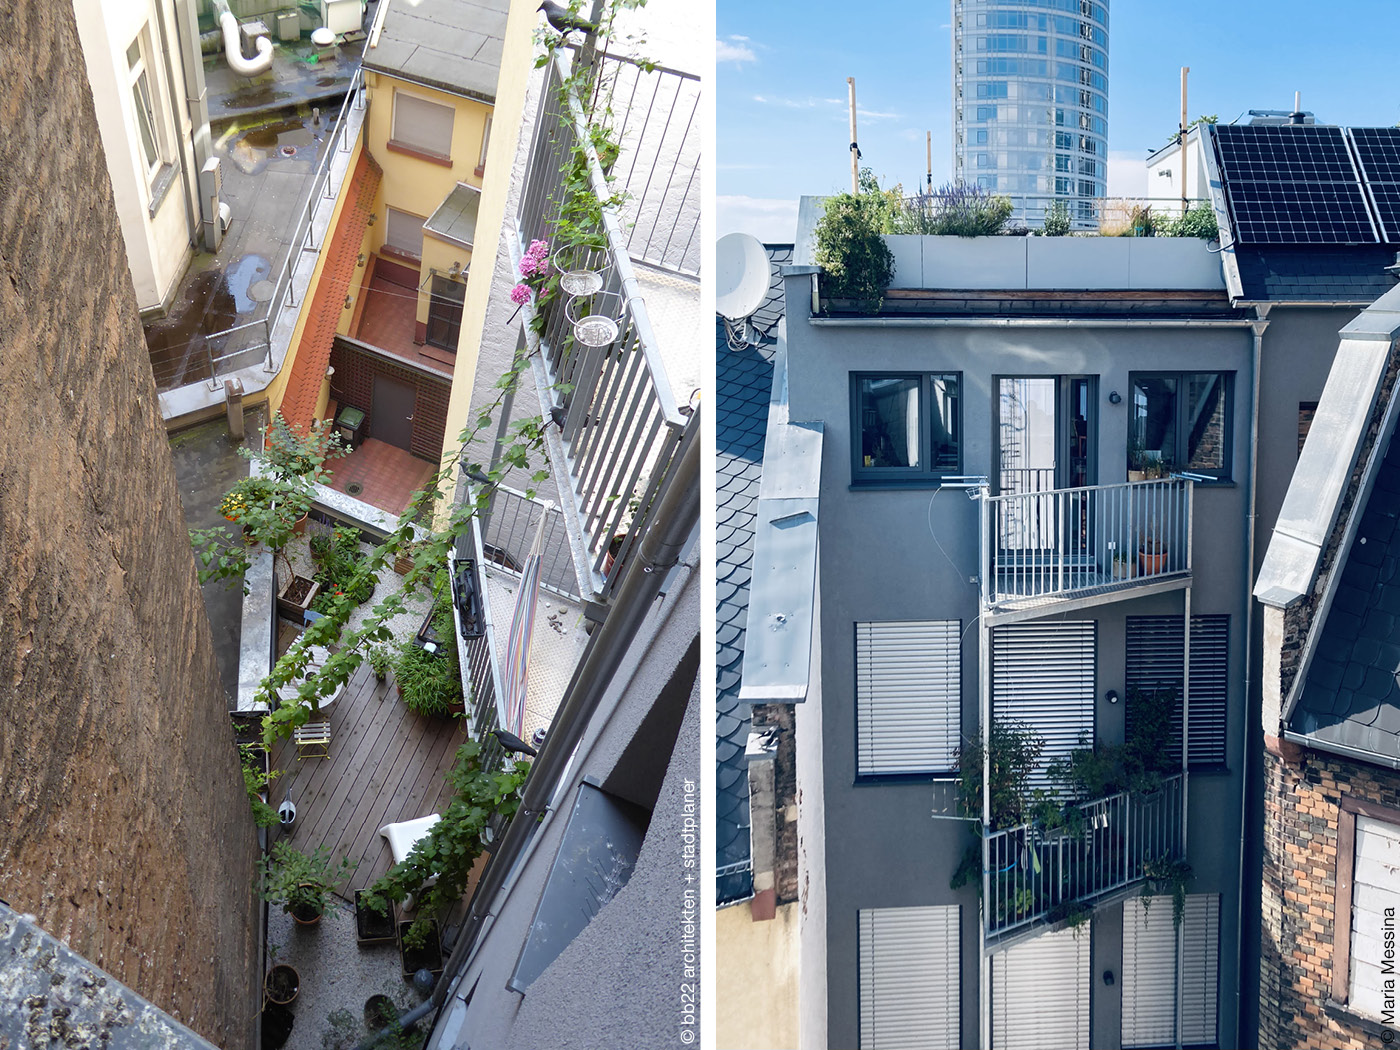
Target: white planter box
1055 263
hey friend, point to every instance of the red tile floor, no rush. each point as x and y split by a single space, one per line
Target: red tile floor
387 322
386 476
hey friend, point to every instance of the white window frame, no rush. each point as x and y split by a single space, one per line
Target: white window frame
910 978
485 142
908 697
397 128
143 86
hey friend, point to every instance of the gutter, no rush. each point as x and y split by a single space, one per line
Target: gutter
1259 326
1342 750
1026 322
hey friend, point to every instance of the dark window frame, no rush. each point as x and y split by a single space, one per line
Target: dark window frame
441 307
1181 425
927 473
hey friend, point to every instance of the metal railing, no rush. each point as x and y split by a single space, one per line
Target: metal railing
621 427
243 345
658 169
482 670
1064 542
1034 874
1109 216
509 531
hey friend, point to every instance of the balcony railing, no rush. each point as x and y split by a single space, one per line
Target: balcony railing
1063 543
1033 875
509 531
481 670
621 426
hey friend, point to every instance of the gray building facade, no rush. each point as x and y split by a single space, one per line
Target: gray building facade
1054 391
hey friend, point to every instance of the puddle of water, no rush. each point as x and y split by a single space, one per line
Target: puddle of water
239 278
251 97
176 342
251 150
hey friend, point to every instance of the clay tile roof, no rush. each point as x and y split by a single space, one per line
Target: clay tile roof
318 333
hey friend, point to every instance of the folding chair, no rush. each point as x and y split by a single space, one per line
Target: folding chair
313 740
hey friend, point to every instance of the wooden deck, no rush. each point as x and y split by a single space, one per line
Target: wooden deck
386 764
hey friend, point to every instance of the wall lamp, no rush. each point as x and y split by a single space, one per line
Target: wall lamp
1111 696
1115 398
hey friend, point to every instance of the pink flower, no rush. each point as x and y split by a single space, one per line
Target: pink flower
529 266
520 294
537 249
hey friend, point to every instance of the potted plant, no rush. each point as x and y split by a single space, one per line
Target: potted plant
371 926
282 982
856 263
420 947
428 682
302 883
380 661
270 507
1152 552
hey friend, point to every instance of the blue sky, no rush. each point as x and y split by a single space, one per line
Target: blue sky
781 74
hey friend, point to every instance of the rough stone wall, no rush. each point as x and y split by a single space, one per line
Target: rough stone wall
1301 801
781 717
125 831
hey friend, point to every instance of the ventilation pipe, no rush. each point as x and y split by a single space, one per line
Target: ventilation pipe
233 46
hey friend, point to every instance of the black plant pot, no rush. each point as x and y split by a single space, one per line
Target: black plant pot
428 957
372 927
277 1023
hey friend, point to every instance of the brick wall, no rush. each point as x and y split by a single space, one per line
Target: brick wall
1301 800
125 830
353 384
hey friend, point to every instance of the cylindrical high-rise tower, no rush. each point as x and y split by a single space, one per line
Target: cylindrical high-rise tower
1030 102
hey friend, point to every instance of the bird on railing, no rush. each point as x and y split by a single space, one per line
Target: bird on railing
562 19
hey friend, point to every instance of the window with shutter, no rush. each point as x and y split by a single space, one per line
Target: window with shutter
1154 663
909 978
1040 993
908 696
403 233
422 125
1043 675
1149 971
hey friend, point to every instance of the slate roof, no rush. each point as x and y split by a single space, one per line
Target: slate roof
1351 695
1316 274
454 45
743 386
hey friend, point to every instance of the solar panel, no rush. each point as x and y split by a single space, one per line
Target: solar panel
1378 150
1292 184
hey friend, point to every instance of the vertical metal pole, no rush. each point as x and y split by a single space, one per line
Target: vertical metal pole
1184 71
984 721
855 150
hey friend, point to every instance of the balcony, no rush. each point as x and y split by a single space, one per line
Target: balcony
620 428
1033 876
1053 550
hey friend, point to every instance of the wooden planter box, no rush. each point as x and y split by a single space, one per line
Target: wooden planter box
296 610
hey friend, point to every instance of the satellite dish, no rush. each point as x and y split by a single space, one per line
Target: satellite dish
741 275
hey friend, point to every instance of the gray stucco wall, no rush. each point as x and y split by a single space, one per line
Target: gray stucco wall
879 561
618 983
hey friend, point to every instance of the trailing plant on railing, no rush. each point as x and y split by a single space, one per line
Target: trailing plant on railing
451 847
1164 876
1014 754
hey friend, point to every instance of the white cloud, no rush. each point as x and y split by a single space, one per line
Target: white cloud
772 221
837 107
735 49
